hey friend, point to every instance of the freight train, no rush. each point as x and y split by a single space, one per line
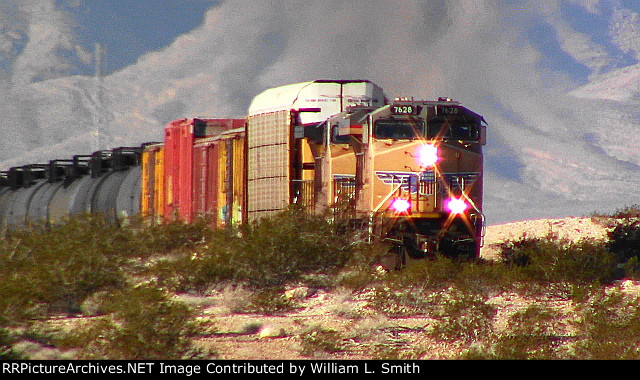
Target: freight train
405 171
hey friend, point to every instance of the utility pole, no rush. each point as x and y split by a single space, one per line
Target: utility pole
97 114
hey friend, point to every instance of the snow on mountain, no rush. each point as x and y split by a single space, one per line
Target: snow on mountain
60 118
591 163
621 85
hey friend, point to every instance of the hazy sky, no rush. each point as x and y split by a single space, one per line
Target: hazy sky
557 80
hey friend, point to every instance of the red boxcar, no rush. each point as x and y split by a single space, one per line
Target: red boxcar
179 164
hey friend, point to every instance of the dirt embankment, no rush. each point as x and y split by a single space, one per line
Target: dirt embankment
573 229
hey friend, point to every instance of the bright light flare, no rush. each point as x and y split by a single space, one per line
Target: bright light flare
400 205
456 205
427 155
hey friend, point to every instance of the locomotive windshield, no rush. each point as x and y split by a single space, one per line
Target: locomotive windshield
445 123
454 125
454 130
398 129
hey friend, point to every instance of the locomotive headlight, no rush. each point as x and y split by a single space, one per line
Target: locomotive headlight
456 205
427 155
400 205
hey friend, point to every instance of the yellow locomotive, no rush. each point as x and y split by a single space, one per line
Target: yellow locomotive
411 172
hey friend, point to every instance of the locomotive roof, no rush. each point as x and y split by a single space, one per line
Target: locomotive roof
287 96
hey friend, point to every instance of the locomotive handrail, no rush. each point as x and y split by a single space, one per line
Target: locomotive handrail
480 213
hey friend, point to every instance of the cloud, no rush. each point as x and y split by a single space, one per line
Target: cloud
36 46
12 34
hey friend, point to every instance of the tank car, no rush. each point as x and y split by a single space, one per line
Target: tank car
105 182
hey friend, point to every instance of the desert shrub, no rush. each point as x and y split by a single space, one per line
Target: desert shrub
357 277
362 269
416 289
141 323
437 273
317 340
6 343
624 241
269 252
434 273
627 212
609 327
93 232
269 301
533 333
176 234
57 268
548 260
399 301
464 316
443 271
291 244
